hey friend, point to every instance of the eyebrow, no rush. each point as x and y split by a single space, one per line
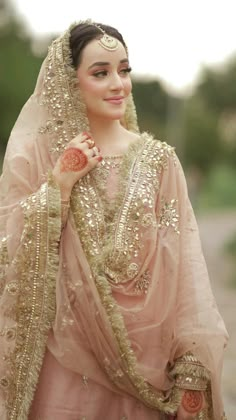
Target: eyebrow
106 63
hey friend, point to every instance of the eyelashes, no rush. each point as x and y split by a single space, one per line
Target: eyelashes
103 73
127 70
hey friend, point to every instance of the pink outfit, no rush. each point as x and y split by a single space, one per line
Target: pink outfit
96 317
65 395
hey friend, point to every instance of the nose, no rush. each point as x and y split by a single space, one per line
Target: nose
116 82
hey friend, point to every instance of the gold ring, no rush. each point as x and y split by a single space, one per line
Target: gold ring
94 151
90 143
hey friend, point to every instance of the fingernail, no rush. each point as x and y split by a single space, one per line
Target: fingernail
85 133
99 158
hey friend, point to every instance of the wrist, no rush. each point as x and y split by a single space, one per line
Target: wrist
189 373
65 196
192 401
64 188
65 191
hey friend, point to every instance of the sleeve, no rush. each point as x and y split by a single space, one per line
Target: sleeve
189 373
29 263
199 335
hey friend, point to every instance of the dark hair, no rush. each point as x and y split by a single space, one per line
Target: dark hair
83 33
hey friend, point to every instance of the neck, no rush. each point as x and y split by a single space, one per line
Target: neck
107 134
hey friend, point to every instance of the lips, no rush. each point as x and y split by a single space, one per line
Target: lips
115 99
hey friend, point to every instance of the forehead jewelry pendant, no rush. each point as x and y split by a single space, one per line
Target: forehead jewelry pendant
108 42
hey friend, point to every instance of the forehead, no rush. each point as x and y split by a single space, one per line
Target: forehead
94 52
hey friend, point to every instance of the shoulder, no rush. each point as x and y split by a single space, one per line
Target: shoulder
163 160
159 151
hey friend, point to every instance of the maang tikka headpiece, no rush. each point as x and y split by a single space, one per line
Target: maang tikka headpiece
106 41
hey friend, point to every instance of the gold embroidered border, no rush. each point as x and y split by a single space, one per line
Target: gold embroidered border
4 261
145 161
146 392
189 373
67 112
112 231
36 265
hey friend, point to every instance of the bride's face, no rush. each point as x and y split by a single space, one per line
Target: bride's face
104 81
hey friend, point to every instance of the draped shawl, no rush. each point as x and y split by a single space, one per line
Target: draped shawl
121 294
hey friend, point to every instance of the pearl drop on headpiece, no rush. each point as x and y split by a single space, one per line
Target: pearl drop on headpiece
108 42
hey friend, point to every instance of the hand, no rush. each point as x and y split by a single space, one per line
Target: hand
77 160
192 403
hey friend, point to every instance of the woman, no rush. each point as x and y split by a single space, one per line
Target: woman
106 307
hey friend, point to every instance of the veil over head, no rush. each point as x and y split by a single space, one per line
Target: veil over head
65 296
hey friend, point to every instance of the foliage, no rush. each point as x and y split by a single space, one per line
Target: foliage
202 142
218 87
18 67
159 112
231 246
230 251
217 190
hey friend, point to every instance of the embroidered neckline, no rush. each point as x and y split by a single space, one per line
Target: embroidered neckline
133 144
113 157
111 207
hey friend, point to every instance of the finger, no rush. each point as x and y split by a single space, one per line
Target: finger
86 133
94 161
85 136
80 138
90 153
89 142
74 143
95 151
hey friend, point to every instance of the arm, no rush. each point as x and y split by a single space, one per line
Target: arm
189 373
199 329
31 222
193 379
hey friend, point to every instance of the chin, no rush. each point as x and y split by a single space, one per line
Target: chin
116 114
117 117
112 114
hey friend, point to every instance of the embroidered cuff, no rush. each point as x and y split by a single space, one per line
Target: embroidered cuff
189 373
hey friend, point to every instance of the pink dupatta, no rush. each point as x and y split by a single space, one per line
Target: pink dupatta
124 285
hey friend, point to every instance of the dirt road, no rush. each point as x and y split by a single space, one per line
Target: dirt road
215 231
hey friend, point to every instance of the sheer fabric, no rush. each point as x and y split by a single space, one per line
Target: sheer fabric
117 296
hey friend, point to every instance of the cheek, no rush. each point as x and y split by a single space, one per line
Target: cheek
127 84
87 87
90 92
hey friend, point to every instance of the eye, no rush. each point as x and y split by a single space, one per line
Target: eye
126 70
100 73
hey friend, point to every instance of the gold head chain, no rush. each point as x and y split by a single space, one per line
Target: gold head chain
108 42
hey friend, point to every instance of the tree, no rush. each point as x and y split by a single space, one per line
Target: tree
18 70
202 141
